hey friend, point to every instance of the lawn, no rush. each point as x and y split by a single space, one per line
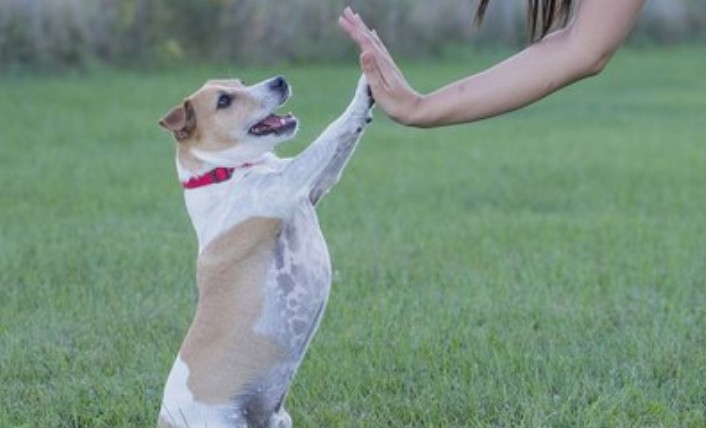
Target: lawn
542 269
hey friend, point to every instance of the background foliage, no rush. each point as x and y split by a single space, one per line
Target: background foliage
61 33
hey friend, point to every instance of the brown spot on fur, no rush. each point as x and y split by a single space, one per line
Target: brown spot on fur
221 349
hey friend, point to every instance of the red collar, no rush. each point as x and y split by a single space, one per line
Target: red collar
216 175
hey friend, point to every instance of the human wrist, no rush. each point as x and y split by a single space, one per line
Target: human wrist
412 114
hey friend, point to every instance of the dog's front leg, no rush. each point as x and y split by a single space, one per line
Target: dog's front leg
329 176
319 167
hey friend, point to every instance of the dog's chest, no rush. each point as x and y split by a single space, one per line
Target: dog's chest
258 192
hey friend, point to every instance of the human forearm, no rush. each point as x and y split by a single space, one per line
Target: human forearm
516 82
580 50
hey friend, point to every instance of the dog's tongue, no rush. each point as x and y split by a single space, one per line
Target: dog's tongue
272 123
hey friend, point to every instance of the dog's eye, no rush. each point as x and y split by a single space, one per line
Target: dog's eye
224 101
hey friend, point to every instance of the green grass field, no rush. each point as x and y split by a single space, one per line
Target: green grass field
543 269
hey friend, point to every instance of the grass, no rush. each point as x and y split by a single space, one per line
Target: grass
543 269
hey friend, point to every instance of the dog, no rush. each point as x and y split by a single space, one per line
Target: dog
263 270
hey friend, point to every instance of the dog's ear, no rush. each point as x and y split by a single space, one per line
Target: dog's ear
181 120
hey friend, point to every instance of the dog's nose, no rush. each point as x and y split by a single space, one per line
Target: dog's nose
278 83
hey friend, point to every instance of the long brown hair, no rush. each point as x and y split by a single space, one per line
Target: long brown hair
542 15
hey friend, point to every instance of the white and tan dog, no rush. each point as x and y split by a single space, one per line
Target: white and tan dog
263 269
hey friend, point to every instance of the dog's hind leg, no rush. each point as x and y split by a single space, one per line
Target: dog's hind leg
280 419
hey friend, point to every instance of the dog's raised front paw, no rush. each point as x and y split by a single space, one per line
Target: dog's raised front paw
363 100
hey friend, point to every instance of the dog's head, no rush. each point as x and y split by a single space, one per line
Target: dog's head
226 123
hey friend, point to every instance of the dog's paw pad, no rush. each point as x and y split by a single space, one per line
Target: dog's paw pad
371 99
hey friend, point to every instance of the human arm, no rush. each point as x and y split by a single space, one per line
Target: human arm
579 50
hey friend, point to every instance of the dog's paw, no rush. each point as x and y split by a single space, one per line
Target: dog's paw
364 90
363 100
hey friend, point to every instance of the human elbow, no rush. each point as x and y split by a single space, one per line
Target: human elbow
595 62
589 56
599 62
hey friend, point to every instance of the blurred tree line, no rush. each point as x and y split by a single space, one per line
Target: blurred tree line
61 33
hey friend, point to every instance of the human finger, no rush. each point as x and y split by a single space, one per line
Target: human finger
385 53
348 13
386 65
378 42
360 36
354 18
349 28
369 33
351 22
356 28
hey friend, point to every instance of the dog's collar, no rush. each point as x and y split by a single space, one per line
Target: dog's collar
216 175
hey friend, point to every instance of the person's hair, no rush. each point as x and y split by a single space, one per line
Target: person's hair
542 15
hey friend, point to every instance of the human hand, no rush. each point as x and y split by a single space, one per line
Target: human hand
390 89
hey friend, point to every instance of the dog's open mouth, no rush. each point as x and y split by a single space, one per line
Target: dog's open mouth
274 124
